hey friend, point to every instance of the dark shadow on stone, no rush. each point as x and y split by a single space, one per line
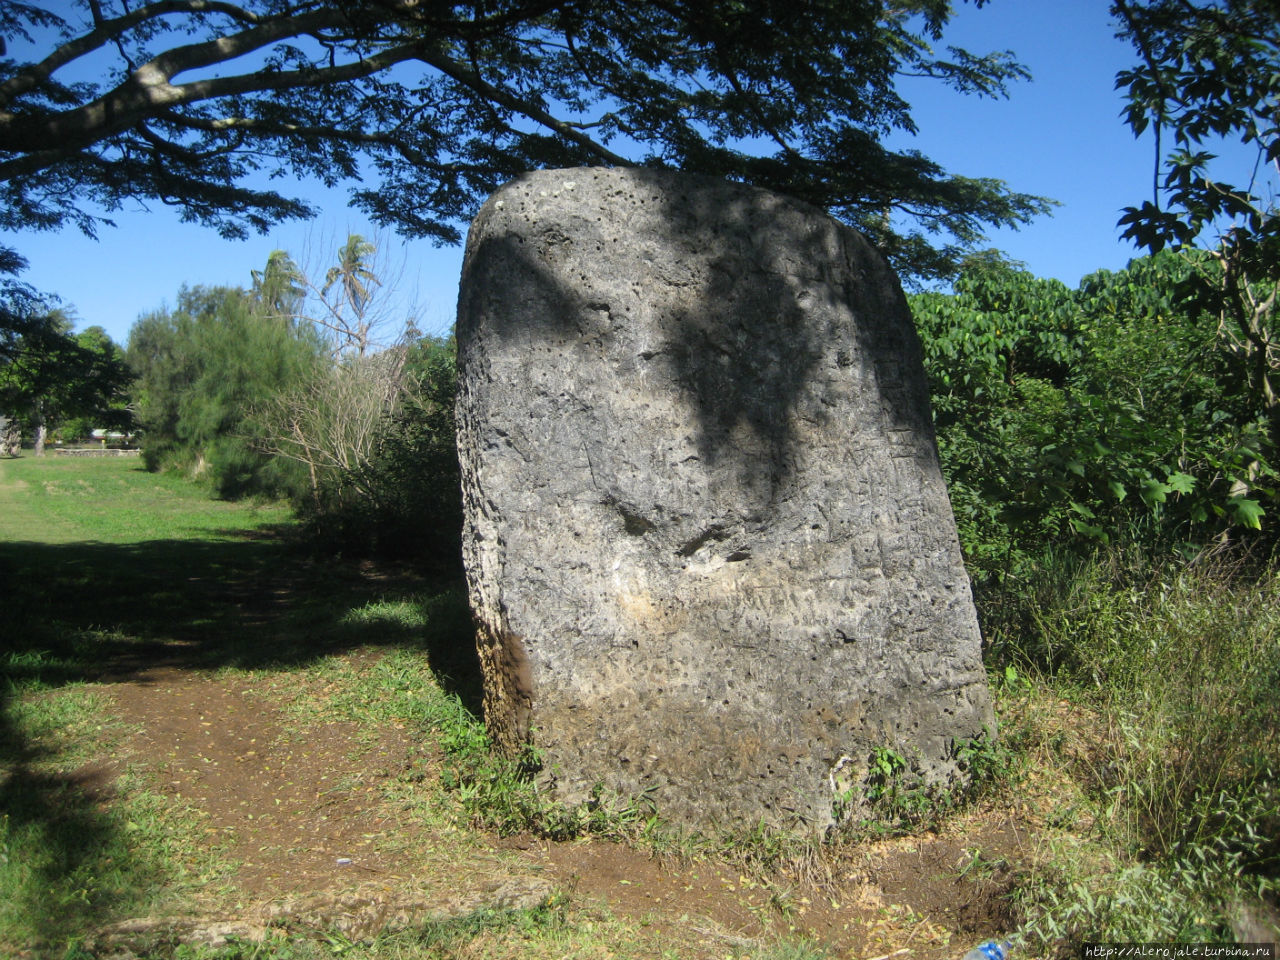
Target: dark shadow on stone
742 389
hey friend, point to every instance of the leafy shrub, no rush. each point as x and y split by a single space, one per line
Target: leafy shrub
405 500
203 372
1089 416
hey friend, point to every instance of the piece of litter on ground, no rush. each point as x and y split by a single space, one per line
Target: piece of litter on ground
344 861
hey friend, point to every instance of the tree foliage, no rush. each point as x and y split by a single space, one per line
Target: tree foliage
353 279
403 497
203 373
48 374
429 106
372 424
330 421
1074 417
1210 71
350 308
359 437
280 286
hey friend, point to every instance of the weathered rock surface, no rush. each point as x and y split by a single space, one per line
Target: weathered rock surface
708 545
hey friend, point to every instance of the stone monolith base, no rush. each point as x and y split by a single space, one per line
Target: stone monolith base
708 546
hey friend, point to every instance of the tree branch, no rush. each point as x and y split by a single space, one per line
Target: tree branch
186 154
263 128
148 92
1143 44
471 80
106 31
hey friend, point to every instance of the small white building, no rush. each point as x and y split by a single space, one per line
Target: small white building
109 436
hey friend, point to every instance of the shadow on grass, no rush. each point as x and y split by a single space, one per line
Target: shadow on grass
79 867
99 610
95 611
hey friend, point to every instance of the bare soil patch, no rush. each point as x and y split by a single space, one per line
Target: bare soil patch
898 894
308 810
297 815
306 815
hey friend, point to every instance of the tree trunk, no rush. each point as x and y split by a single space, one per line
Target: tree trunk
38 428
10 437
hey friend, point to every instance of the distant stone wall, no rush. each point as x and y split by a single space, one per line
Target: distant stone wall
94 452
708 545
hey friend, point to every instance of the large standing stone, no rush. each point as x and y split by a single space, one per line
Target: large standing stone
709 549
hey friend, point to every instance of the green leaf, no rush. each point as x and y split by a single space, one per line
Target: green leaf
1117 489
1153 492
1248 513
1093 531
1181 482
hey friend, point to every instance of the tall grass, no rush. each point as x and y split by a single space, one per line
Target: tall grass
1182 664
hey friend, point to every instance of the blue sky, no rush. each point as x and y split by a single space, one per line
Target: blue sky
1059 135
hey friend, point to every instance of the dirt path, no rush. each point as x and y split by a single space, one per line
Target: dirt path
306 811
296 814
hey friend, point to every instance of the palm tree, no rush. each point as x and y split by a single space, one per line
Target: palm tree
280 287
355 277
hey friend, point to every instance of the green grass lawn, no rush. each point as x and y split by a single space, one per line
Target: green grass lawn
92 562
113 500
108 570
105 556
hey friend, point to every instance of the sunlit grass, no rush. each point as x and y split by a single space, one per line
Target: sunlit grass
113 500
139 559
1139 719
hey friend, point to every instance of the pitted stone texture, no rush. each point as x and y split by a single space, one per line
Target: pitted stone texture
708 545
